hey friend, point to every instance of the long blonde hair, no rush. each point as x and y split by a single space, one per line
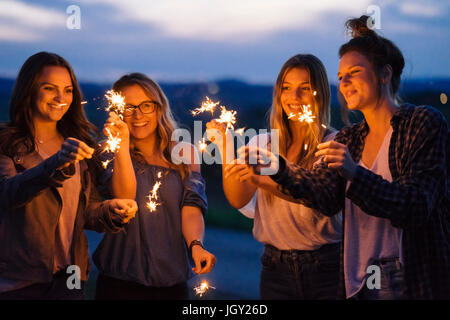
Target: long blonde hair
313 132
166 122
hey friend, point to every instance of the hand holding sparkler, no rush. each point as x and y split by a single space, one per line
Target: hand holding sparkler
337 156
216 131
260 159
125 209
241 172
204 260
116 127
72 151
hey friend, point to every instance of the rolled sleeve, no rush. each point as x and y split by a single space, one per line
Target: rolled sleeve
194 193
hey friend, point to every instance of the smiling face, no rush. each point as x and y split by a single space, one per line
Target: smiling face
141 125
55 94
296 91
357 81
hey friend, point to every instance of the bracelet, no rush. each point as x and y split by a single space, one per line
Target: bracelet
195 242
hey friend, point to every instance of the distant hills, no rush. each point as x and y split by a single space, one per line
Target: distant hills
251 103
249 100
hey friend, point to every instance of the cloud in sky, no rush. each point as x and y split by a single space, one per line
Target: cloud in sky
21 22
208 39
229 20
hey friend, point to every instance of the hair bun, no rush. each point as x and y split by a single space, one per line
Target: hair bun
358 27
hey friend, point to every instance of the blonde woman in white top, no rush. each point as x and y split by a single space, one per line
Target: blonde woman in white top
301 252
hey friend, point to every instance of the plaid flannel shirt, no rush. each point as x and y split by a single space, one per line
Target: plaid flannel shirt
417 200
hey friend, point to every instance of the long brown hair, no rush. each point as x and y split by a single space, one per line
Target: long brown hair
320 108
314 132
166 122
17 136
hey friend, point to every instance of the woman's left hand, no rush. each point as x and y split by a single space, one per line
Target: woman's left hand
201 256
337 156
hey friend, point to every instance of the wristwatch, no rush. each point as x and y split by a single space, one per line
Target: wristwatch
196 242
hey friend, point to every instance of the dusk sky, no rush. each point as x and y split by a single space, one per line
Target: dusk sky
206 40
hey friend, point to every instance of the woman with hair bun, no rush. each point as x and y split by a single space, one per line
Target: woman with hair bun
388 173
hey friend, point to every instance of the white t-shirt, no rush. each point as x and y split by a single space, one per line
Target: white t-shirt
288 225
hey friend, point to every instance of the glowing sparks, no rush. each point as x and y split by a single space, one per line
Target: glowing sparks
116 102
240 131
113 142
202 145
202 288
314 93
305 115
207 105
106 163
228 117
324 126
83 102
306 146
153 196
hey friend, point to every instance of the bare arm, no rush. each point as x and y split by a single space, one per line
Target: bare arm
123 182
193 228
237 191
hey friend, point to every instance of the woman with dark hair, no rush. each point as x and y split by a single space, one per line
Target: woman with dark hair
388 173
301 245
46 192
151 260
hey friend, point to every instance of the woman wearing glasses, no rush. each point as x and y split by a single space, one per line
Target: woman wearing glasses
151 259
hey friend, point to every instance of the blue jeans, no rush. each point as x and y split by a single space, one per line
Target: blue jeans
300 275
392 282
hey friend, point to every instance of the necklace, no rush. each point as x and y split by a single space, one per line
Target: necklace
40 141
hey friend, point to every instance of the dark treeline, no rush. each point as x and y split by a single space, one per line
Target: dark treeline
251 103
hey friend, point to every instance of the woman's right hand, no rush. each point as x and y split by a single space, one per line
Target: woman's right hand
117 127
261 160
72 151
215 131
241 171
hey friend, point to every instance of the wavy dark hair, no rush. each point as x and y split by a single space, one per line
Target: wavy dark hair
377 49
17 136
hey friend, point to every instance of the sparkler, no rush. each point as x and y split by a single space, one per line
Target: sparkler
207 105
152 203
305 115
202 288
202 145
113 142
106 163
228 117
116 102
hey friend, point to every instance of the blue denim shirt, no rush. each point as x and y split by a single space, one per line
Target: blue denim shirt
152 251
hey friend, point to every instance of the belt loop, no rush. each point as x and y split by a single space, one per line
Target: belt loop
276 255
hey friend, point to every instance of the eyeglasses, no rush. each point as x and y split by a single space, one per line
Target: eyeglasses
144 107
